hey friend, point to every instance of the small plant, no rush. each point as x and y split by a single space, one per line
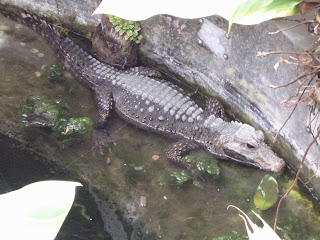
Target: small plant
129 28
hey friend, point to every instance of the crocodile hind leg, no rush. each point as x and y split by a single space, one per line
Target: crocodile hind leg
176 150
104 101
214 107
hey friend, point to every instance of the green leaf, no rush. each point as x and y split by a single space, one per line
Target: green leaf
267 193
37 210
137 28
122 31
245 8
129 33
126 37
118 28
276 9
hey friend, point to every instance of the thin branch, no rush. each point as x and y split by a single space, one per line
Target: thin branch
276 136
295 180
285 122
286 102
308 65
304 74
264 54
294 26
311 121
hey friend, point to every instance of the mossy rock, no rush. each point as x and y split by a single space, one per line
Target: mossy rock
207 165
73 126
181 177
41 111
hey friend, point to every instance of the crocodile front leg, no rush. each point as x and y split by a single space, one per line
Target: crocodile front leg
104 101
176 150
214 107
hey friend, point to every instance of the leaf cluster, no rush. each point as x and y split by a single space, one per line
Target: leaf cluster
129 29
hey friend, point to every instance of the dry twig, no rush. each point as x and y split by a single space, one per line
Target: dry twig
291 27
295 180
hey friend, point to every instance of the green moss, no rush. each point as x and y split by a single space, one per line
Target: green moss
73 126
207 165
54 73
234 236
134 174
291 228
161 181
181 177
41 111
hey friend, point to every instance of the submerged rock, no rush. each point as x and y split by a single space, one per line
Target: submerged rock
41 111
207 165
72 126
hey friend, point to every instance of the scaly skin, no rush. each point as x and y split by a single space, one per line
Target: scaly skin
158 106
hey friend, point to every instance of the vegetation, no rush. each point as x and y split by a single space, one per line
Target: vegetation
130 29
41 111
234 236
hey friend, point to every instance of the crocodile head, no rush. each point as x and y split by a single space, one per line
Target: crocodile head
244 144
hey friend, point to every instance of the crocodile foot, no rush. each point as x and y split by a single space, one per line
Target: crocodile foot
176 150
101 140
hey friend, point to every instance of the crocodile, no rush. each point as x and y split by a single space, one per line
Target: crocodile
142 98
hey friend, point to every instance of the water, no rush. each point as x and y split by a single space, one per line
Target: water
127 171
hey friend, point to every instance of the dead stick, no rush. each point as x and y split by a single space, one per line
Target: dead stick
263 54
294 26
295 180
304 74
275 138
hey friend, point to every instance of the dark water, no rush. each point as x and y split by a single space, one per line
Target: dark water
19 167
171 211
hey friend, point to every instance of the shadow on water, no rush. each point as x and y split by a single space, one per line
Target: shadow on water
128 175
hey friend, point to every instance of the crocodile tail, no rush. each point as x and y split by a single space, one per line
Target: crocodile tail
77 61
46 30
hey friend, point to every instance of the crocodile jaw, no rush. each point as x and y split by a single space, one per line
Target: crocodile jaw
262 156
240 142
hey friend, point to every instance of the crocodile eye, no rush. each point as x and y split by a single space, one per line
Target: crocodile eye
250 146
